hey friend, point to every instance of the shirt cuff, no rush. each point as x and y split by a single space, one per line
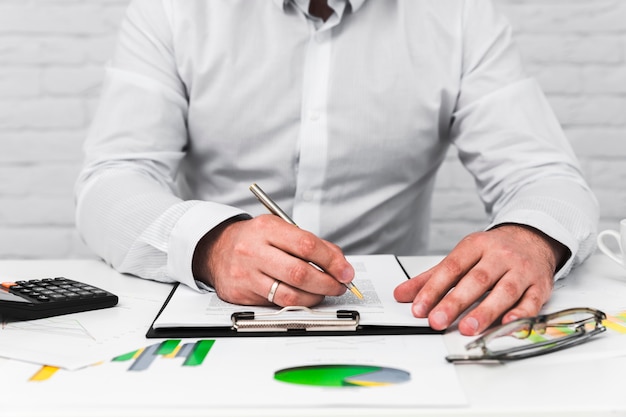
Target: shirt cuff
190 228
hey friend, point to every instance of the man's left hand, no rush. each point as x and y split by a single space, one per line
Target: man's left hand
513 265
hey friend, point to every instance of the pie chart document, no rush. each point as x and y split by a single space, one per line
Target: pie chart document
385 371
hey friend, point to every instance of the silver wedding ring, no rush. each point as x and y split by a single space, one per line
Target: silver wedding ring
270 296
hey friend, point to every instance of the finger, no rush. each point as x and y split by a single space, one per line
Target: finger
443 278
471 288
310 248
285 295
511 290
301 275
275 292
406 291
531 303
502 297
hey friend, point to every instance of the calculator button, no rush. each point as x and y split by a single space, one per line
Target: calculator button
57 297
85 294
8 284
43 298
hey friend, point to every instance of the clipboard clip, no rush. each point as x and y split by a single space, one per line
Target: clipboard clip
303 319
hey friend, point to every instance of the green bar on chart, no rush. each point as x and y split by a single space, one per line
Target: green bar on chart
167 347
199 352
126 357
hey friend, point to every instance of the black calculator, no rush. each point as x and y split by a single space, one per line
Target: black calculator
47 297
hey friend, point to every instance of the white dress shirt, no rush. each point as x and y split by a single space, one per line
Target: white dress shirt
344 123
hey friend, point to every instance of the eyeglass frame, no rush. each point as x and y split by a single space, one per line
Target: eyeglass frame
539 324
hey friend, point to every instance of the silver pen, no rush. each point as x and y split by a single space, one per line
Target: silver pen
275 209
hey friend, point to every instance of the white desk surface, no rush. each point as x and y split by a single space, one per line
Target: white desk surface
582 381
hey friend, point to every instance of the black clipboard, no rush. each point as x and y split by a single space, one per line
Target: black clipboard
247 323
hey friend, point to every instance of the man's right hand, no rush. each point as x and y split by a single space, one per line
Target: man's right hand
243 259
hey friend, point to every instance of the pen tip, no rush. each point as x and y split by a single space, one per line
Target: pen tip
355 290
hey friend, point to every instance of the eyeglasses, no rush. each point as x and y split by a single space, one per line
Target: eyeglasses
534 336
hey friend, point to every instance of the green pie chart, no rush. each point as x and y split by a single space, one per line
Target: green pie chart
342 376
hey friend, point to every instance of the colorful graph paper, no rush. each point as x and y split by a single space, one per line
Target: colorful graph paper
193 353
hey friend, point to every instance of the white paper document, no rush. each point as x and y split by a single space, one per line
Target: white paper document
291 372
76 340
376 277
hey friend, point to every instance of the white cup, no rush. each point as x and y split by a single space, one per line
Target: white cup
620 238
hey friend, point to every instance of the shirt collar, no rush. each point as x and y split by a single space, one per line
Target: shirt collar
354 4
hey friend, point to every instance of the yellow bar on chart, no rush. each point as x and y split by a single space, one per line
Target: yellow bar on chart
44 373
173 353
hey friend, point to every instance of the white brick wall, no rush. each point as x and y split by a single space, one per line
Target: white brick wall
51 58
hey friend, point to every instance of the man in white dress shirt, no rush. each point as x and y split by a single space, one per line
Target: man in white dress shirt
342 111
